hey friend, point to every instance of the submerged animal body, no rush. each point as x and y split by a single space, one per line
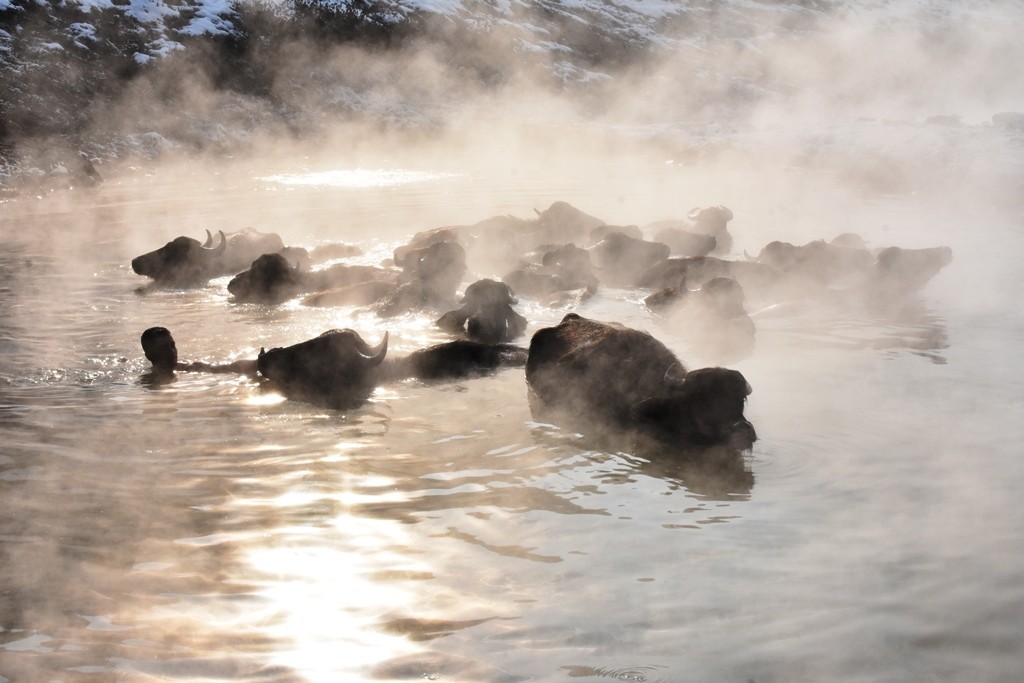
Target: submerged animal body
605 372
186 262
340 370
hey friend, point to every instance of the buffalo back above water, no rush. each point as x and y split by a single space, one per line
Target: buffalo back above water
459 359
605 372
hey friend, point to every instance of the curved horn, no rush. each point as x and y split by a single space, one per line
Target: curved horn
209 240
219 249
374 354
694 212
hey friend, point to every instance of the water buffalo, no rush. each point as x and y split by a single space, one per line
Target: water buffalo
885 278
496 244
692 272
681 240
186 262
764 284
713 220
426 238
819 263
563 223
599 233
573 264
340 370
430 276
897 271
271 279
551 270
486 313
337 368
621 259
713 319
608 373
333 250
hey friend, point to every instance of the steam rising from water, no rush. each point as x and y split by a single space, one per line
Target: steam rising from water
838 88
805 124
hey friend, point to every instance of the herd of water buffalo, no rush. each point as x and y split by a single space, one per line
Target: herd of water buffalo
609 374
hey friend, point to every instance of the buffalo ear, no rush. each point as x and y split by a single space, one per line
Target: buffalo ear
675 375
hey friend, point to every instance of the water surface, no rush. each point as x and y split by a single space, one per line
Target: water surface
207 529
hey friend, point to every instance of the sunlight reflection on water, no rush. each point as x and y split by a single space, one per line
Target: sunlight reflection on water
449 530
328 598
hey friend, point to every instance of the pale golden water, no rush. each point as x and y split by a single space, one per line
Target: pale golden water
207 530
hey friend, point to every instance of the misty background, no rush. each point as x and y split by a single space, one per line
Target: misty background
893 97
207 529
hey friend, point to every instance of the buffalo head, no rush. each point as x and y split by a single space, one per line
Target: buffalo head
337 368
486 313
704 408
713 220
182 262
270 279
710 220
488 293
